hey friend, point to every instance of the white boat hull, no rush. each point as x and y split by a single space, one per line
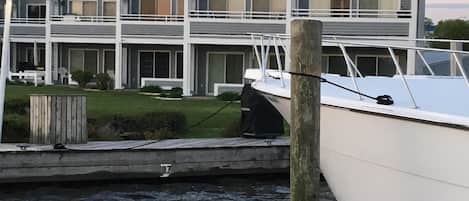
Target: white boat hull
374 157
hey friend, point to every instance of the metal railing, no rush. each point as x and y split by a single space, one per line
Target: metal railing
26 20
152 18
352 13
238 14
267 40
79 18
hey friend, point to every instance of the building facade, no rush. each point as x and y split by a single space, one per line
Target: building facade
202 46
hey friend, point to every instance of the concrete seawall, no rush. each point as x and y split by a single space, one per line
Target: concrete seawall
143 159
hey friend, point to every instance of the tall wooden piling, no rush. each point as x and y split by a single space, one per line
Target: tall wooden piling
305 107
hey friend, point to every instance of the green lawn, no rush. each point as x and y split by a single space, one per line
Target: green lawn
105 104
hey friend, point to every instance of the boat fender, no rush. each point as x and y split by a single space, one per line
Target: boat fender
385 100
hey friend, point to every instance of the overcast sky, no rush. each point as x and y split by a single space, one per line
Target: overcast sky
447 9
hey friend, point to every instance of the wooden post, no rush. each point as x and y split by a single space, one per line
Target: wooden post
306 57
58 119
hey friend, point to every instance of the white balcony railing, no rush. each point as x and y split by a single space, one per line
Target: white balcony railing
152 18
352 13
78 18
238 14
26 21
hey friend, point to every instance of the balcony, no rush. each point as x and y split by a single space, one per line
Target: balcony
244 15
151 18
79 18
352 13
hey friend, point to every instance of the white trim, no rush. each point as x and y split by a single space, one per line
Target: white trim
219 85
224 66
143 81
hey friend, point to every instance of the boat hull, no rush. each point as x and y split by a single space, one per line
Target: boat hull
368 156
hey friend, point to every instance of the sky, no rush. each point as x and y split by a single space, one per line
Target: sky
447 9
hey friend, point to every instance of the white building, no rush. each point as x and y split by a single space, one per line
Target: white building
194 44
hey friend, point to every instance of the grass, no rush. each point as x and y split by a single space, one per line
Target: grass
103 104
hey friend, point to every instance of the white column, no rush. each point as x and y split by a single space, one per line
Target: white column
416 30
55 53
5 59
48 67
454 68
118 50
187 52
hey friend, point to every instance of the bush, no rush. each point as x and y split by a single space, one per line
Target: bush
232 129
175 92
15 128
103 81
17 106
161 134
229 96
151 89
171 121
82 77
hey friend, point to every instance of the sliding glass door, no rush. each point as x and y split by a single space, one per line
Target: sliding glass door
224 68
159 7
154 64
84 7
83 60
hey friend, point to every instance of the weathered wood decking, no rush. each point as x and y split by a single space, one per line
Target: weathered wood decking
143 159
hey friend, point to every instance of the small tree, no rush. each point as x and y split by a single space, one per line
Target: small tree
82 77
103 81
451 29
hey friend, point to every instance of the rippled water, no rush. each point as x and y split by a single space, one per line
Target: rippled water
265 188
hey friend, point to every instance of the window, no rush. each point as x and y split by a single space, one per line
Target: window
36 11
272 63
224 68
109 62
335 65
376 65
154 64
261 5
109 8
84 7
83 60
179 65
157 7
302 4
41 56
339 6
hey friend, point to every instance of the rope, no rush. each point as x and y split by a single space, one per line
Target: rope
210 116
382 100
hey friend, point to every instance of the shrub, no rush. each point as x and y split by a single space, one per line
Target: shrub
160 135
229 96
82 77
172 121
17 106
232 129
151 89
103 81
15 128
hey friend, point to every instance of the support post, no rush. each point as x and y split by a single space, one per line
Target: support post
455 46
306 58
5 70
48 45
118 49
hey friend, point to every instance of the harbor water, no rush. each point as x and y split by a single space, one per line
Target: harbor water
233 188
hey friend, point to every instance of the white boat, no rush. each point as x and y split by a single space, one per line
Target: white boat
399 152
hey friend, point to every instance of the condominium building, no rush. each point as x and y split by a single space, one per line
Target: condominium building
203 46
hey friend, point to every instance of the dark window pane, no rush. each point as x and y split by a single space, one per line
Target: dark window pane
179 65
303 4
162 64
33 11
234 68
202 4
91 61
386 66
337 65
367 65
109 61
146 64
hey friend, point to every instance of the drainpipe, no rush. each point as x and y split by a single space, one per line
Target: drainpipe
5 60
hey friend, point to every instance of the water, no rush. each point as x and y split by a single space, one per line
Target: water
239 188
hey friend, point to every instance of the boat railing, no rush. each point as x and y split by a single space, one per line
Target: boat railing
265 41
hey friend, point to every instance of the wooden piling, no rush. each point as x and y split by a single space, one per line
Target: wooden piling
58 119
305 54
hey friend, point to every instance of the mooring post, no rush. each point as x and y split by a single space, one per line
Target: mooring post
305 106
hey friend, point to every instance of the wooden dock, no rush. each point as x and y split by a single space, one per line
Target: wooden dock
144 159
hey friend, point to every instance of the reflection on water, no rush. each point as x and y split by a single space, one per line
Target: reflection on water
239 188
